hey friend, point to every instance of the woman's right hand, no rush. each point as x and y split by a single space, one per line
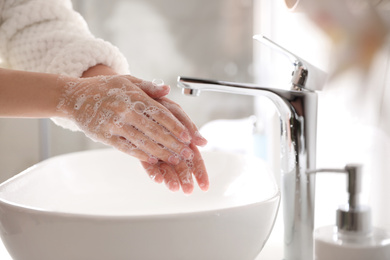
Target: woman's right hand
176 176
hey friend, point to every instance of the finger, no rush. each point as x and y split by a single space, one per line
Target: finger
166 119
149 108
126 146
179 113
149 146
199 169
153 171
183 172
170 177
152 89
158 133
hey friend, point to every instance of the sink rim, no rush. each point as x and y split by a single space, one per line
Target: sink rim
41 211
82 215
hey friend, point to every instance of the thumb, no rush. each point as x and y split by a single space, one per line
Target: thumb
156 88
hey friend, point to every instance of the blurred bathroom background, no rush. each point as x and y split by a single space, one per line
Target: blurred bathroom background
163 39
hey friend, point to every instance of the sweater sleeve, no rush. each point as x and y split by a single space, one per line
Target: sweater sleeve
49 36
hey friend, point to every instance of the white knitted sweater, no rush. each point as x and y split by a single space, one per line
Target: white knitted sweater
49 36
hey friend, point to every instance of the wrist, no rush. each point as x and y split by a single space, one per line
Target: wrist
62 85
68 86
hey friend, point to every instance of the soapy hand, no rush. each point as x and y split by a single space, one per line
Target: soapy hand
131 115
175 176
117 112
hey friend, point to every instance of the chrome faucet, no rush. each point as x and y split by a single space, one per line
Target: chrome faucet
297 109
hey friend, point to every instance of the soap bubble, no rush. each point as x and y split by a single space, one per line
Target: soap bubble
151 110
139 107
118 122
158 82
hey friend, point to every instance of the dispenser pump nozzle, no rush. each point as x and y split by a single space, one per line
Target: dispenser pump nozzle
354 183
352 216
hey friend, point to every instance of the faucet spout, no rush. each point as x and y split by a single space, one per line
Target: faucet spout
297 109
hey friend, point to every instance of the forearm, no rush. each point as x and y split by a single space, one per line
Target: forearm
35 95
28 94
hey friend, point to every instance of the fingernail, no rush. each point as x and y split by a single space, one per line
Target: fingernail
201 142
153 176
152 160
165 88
187 188
185 136
203 186
187 153
173 186
158 178
199 139
173 159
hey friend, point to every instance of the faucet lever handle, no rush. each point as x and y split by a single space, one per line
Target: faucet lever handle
305 75
265 40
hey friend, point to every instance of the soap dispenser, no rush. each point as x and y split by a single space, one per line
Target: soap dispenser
353 237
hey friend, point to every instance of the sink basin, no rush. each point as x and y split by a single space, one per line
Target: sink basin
100 205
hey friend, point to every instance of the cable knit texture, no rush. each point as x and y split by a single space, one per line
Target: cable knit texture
49 36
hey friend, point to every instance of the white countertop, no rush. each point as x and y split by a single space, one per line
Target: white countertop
5 256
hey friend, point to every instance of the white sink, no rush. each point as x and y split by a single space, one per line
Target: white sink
100 205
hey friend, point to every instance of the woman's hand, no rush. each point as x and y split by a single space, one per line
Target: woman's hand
182 173
116 111
174 176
